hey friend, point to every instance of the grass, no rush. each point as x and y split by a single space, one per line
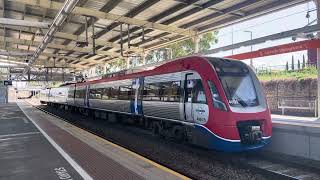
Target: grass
308 72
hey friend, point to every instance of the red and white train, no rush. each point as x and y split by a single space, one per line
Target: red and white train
212 102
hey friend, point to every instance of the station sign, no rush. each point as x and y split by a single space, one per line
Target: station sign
281 49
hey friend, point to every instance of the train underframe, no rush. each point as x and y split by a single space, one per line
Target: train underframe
180 132
166 129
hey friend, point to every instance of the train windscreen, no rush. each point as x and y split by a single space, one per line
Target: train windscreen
237 82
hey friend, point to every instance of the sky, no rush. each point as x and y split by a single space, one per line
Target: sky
284 20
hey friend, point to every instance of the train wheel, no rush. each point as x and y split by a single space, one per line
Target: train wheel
157 129
112 118
147 124
178 133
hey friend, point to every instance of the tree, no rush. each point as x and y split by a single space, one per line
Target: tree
186 47
182 48
99 70
287 66
292 63
303 62
116 65
298 64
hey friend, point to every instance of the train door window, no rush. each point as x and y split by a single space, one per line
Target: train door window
190 85
199 94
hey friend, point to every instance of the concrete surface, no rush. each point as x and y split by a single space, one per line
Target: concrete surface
25 153
296 136
100 158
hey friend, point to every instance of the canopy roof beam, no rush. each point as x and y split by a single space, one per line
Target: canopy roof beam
25 23
109 16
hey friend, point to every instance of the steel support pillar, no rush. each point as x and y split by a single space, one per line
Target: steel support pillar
318 57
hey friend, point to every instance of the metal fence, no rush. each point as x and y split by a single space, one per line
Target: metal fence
297 104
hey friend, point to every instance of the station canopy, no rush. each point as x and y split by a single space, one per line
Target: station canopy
146 24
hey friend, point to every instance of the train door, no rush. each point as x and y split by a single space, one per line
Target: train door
136 96
195 106
188 86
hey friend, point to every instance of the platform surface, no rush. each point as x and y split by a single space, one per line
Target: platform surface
25 153
296 120
99 158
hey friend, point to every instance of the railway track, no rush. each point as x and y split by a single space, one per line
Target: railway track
261 168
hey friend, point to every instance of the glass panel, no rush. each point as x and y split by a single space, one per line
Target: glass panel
164 91
199 94
237 82
217 100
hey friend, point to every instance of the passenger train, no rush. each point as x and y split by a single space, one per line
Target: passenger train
211 102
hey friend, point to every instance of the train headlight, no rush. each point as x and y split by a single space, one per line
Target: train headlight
255 128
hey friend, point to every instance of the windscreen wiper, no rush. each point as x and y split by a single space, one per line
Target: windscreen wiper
241 101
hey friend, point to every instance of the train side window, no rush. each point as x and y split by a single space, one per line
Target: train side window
114 93
151 92
125 92
217 100
70 93
163 91
170 91
106 93
77 94
95 93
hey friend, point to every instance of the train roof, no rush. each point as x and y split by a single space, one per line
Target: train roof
145 70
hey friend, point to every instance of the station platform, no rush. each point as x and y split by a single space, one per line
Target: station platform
296 136
35 145
295 120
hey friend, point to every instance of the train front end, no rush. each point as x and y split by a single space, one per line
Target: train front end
239 119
